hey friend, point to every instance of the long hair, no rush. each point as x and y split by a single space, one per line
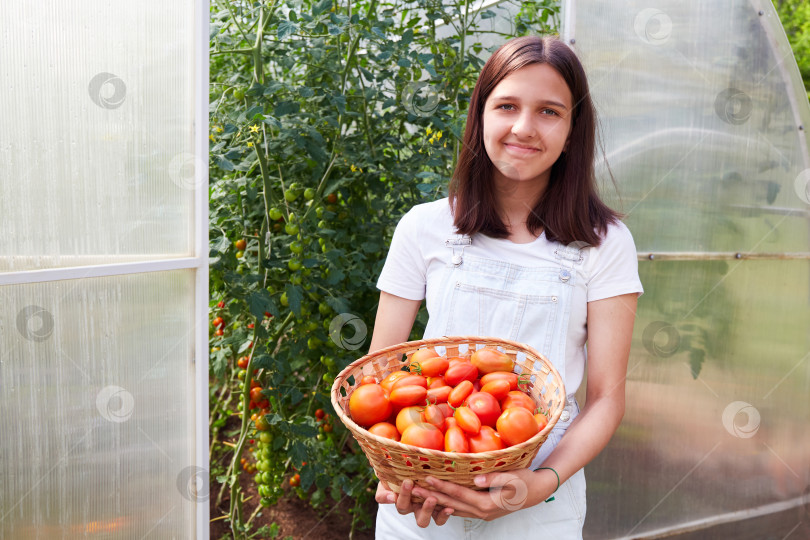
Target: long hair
570 209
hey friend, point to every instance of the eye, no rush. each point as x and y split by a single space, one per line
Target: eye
550 111
505 105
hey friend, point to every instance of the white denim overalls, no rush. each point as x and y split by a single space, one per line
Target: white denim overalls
531 305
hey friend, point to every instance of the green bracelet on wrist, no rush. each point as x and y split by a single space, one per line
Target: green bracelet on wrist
558 482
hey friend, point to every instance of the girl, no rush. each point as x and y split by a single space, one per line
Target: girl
522 249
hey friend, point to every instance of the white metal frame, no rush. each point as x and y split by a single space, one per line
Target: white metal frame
199 262
201 259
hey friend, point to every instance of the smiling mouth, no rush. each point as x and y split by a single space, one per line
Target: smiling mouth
521 149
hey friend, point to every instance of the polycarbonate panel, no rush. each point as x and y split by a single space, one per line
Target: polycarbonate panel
96 408
96 135
704 115
733 439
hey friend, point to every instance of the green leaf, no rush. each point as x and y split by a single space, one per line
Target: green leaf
320 7
262 361
340 305
293 297
220 245
223 163
286 107
285 28
259 302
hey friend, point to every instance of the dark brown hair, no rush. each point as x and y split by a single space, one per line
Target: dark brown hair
570 209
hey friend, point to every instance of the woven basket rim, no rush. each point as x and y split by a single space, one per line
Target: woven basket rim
443 342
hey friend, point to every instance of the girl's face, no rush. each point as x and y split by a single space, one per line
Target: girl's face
527 121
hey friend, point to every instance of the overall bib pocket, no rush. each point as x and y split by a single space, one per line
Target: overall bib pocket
486 311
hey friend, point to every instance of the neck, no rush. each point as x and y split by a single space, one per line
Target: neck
516 199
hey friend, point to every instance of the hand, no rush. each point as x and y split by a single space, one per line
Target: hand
508 492
422 512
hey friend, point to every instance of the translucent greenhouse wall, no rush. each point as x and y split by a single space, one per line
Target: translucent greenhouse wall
704 117
103 269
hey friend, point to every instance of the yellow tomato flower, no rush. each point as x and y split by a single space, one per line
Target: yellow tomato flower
219 129
250 145
254 128
211 137
428 131
439 134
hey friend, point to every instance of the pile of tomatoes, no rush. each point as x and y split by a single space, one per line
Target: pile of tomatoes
459 404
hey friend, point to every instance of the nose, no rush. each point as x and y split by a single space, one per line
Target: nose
523 126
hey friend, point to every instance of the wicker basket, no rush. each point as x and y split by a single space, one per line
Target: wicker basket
394 462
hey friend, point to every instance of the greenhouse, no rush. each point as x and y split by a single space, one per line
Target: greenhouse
199 197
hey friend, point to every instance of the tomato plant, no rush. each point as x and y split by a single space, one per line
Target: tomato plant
328 121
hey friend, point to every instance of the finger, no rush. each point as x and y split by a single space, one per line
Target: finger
384 495
453 495
404 505
425 513
441 515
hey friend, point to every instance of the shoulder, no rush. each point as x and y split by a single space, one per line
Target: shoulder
617 236
433 215
612 268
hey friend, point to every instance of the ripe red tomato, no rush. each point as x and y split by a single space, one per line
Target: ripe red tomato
420 356
434 415
385 429
435 382
406 395
446 409
408 416
460 371
439 395
219 332
467 420
409 380
319 414
486 440
331 198
542 421
485 406
424 435
389 381
499 388
242 362
512 378
455 440
516 398
516 425
256 394
240 244
369 404
217 322
295 480
429 367
489 360
368 379
460 393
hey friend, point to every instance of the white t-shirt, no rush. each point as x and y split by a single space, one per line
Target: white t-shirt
418 255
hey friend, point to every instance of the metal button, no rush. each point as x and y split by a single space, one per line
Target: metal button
565 275
565 416
553 298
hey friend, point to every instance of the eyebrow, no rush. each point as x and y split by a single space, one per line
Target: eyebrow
542 101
